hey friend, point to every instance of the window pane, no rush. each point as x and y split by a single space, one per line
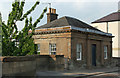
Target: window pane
80 48
79 51
105 48
78 55
53 49
105 52
77 47
53 53
38 45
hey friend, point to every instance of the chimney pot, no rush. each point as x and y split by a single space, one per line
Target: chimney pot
51 10
51 15
54 11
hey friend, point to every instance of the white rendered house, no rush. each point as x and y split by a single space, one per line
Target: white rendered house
111 24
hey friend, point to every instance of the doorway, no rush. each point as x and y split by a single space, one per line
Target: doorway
93 54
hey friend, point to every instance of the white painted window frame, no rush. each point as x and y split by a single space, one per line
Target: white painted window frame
52 48
105 52
38 45
79 51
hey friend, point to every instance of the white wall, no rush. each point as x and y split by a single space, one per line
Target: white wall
113 28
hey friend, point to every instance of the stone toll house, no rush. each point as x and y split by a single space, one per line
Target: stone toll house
82 45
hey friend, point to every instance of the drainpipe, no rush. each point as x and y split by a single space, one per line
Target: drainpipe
107 26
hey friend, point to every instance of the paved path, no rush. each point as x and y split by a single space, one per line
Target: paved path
76 73
106 75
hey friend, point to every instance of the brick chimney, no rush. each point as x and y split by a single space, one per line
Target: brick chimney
51 15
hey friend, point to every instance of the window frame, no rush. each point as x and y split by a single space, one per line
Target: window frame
105 52
38 50
52 48
79 51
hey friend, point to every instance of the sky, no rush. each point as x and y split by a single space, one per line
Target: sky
84 10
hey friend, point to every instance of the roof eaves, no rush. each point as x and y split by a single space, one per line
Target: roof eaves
90 30
104 21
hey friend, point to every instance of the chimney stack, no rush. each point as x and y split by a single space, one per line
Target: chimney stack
51 15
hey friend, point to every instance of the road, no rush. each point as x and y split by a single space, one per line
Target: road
106 75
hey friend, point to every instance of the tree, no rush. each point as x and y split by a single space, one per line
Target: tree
19 43
0 35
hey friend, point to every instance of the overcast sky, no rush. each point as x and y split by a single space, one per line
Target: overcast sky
84 10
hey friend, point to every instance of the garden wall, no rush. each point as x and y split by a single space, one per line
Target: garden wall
29 65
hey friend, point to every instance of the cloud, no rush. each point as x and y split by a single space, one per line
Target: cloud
20 25
80 0
77 8
64 0
5 8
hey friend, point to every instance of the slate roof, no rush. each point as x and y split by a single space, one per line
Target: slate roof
66 21
111 17
74 24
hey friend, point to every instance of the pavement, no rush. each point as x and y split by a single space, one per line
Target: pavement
106 75
80 73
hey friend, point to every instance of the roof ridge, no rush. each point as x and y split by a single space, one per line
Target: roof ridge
66 19
107 18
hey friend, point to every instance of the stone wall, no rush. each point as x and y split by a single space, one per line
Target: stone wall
115 61
28 65
50 62
87 40
66 42
62 41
